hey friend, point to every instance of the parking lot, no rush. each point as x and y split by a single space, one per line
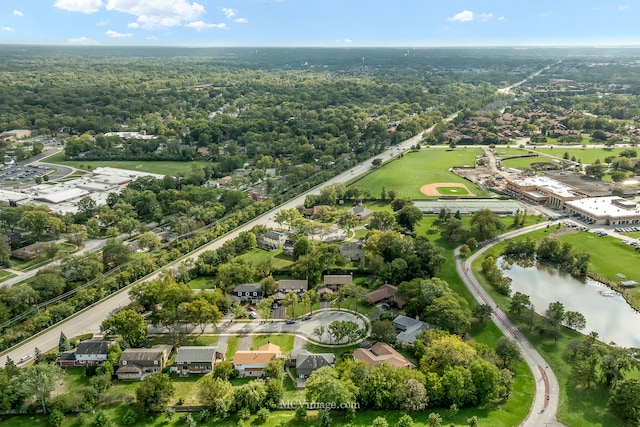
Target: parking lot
22 175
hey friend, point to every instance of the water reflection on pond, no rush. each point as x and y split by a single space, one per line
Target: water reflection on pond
606 311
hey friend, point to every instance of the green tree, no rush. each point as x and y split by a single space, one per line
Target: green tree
348 221
625 400
56 418
114 254
38 381
408 217
383 330
450 312
154 392
217 395
405 421
129 324
380 422
435 420
485 224
324 385
63 343
508 351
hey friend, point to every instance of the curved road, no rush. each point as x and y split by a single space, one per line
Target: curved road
545 402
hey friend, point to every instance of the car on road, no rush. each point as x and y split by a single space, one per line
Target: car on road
25 358
306 317
290 321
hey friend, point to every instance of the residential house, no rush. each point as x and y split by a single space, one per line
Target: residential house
90 352
198 359
311 212
352 251
361 212
385 293
136 363
28 252
252 363
288 247
325 292
247 292
379 353
409 328
258 193
225 180
271 240
306 363
287 285
336 281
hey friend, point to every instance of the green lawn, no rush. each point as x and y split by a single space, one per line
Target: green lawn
586 155
4 275
201 283
232 347
456 191
258 256
524 162
285 342
407 174
159 167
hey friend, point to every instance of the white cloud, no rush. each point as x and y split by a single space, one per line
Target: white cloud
6 28
241 20
18 13
344 40
158 13
81 41
464 16
153 38
116 34
84 6
484 17
228 12
201 25
502 18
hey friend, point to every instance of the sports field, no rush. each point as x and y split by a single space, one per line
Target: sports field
159 167
585 155
428 166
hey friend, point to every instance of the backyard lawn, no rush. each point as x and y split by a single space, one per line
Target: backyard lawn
285 342
427 166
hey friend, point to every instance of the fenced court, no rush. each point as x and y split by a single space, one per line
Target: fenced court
469 206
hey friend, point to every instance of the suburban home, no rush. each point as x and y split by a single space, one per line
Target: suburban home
287 285
385 293
253 363
287 248
336 281
136 363
409 328
306 363
197 359
361 212
310 212
325 292
88 353
379 353
271 240
224 180
28 252
247 292
352 251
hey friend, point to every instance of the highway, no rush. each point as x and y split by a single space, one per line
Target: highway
547 392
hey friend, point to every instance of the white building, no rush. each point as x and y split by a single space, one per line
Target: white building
612 210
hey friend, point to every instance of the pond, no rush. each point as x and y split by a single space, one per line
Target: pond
605 310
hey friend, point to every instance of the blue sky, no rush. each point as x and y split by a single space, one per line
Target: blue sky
320 22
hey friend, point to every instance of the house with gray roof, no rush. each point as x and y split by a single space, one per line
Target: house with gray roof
409 328
89 352
287 285
251 292
136 363
336 281
198 359
271 240
352 251
306 363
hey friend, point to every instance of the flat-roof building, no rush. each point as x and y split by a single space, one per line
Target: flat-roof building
543 190
612 210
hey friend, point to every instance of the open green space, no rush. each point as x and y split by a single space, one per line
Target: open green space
524 162
427 166
202 282
159 167
259 256
455 191
232 347
5 275
285 342
585 155
578 406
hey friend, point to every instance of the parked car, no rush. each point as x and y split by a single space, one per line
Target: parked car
251 308
25 358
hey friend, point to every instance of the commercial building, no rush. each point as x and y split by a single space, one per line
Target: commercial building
612 210
543 190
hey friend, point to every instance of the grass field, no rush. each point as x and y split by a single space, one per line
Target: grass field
258 256
285 342
5 275
456 191
427 166
159 167
586 155
524 162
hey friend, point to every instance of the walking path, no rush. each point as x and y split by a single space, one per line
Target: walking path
545 402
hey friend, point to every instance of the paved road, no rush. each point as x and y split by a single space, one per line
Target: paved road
545 402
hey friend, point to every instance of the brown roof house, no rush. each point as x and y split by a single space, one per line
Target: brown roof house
336 281
385 293
379 353
136 363
198 359
252 363
28 252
